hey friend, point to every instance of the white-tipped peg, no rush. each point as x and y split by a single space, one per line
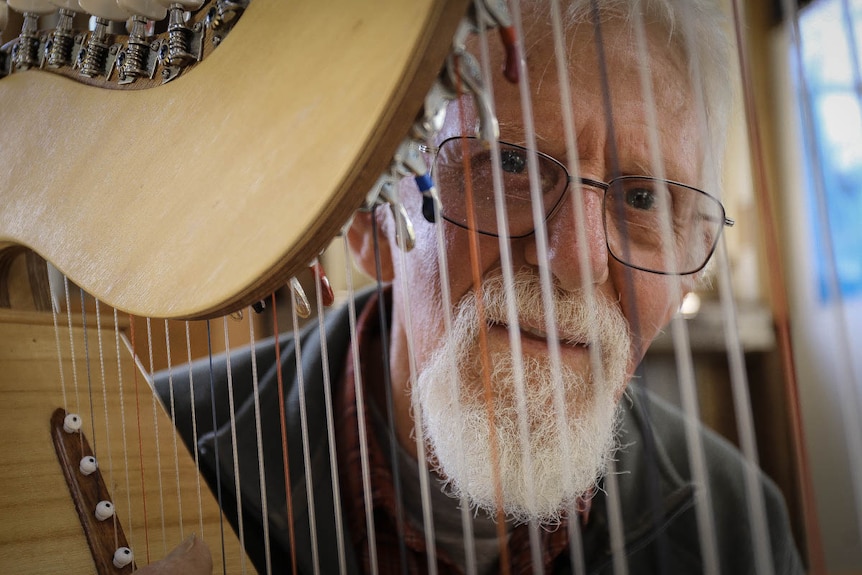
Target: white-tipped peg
88 465
149 9
104 510
186 4
122 557
4 15
107 9
32 6
72 423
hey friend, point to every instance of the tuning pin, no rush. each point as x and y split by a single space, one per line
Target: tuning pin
179 35
96 53
26 53
59 48
136 58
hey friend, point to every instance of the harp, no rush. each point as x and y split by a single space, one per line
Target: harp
258 142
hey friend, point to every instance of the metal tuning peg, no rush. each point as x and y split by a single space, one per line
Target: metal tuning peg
135 62
25 54
93 60
180 52
59 46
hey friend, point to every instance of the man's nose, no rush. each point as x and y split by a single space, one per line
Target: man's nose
576 246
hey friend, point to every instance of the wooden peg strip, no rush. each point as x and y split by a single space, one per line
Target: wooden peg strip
87 491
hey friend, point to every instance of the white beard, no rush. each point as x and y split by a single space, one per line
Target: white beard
540 473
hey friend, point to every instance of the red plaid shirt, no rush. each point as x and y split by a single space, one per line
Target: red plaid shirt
553 543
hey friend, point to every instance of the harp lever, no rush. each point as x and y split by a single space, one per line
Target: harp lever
490 13
465 75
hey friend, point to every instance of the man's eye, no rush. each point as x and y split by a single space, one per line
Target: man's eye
513 161
640 198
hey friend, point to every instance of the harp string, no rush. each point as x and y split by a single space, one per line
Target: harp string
87 365
476 273
216 450
387 386
777 280
156 443
848 390
511 306
680 338
360 412
234 445
72 347
104 382
303 416
576 554
194 418
122 404
259 436
419 435
140 437
285 459
173 414
330 427
736 360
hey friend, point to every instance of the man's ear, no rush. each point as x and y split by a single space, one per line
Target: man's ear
360 239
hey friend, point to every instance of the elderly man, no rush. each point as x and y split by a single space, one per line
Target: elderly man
521 413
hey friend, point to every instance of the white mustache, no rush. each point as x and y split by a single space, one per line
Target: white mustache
579 321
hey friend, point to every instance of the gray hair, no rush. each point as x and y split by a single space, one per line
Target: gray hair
698 31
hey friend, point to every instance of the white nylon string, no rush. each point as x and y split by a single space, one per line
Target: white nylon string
131 533
541 239
425 495
156 441
107 419
72 345
679 328
303 419
360 411
851 403
234 446
194 430
330 429
512 318
55 310
259 437
744 417
174 427
578 210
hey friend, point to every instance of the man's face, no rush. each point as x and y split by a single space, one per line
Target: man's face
629 309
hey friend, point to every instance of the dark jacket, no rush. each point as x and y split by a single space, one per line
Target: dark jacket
657 494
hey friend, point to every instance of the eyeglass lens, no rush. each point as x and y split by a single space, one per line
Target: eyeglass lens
650 224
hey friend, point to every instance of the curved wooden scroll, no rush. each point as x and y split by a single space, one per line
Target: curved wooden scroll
273 142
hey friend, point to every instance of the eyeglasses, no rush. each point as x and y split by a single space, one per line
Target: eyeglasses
650 224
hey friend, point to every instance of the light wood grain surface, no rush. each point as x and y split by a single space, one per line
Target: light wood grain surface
40 532
187 199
